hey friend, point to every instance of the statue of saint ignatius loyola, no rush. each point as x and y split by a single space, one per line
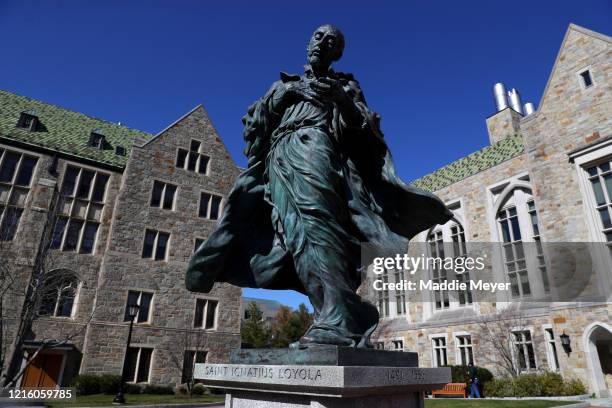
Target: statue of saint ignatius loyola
320 181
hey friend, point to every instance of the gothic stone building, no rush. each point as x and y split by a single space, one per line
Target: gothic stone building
545 177
113 216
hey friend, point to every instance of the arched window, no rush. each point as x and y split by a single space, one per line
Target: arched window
59 294
444 241
517 221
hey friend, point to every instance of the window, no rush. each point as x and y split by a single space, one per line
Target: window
514 252
143 300
80 210
518 223
59 295
448 240
28 121
16 170
551 348
383 296
210 206
162 195
525 356
464 349
198 243
205 314
398 345
587 81
436 248
459 250
120 151
379 345
155 245
439 351
190 359
535 229
600 178
138 364
400 295
96 140
193 159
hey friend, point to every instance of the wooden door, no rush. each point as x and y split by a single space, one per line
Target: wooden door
43 371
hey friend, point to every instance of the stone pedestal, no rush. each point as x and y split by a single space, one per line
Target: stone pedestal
358 383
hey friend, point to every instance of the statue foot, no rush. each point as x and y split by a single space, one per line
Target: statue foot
318 336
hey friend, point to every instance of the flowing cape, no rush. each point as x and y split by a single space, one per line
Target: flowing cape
243 250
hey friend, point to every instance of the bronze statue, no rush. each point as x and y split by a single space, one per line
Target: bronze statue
320 181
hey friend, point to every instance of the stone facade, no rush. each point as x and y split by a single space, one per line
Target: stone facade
569 133
94 330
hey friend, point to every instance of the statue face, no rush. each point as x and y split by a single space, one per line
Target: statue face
325 46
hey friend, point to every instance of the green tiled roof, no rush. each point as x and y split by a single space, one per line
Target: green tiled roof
476 162
64 130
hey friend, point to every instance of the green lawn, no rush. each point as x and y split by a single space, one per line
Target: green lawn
462 403
99 400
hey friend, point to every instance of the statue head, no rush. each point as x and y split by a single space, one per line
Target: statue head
325 46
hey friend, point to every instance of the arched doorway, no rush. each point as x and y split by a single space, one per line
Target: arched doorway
598 348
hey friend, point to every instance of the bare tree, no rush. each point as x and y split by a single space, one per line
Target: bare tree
185 354
49 290
499 332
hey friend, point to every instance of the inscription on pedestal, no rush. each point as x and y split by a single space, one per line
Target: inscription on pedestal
324 380
227 372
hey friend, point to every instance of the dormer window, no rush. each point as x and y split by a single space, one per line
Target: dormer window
96 140
120 151
28 121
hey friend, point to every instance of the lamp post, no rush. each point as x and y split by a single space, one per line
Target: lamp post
132 312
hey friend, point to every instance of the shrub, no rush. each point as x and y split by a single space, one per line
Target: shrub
131 388
158 389
534 385
499 388
527 385
109 383
198 389
181 391
86 384
551 384
574 387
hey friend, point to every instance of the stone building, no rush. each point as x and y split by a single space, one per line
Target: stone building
545 178
115 214
269 308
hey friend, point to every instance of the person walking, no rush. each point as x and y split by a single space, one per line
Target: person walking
474 383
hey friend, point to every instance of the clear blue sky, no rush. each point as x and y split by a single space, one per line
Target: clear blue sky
427 67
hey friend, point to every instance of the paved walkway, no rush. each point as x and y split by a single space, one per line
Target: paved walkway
601 402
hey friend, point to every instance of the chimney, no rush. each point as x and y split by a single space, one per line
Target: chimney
515 100
505 122
529 108
499 92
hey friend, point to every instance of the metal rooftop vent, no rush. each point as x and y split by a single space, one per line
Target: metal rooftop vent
529 108
501 99
514 97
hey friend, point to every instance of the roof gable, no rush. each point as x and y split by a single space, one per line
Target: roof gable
572 29
198 113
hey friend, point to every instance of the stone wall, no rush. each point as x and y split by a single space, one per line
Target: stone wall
570 117
96 332
173 307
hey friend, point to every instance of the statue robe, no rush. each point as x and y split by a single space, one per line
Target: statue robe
316 187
